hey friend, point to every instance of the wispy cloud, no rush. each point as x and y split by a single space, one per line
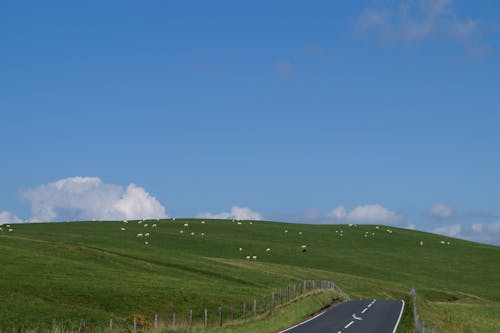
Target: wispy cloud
8 217
442 212
85 198
284 69
414 20
237 212
478 232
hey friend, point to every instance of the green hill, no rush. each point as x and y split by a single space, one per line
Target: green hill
54 272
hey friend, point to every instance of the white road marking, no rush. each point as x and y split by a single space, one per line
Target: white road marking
316 316
357 318
349 324
399 319
364 310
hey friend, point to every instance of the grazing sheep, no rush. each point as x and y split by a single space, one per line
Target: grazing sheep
241 249
350 224
154 226
173 219
122 229
10 230
366 235
192 233
239 222
248 257
202 222
182 231
8 225
286 231
203 234
146 242
448 243
254 257
158 219
146 225
373 234
186 225
268 249
250 222
146 234
125 221
140 222
300 233
421 243
140 235
377 227
442 242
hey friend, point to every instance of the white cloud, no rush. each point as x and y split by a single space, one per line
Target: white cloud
478 232
415 20
86 198
442 212
450 231
239 213
366 214
7 217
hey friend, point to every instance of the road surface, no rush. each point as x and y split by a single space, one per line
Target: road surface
377 316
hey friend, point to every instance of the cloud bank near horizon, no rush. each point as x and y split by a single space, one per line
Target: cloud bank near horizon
237 213
87 198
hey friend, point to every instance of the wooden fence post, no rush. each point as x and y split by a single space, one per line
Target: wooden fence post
190 318
288 293
272 301
265 304
135 324
254 308
173 321
111 324
244 311
206 318
84 327
220 316
305 286
294 290
156 321
281 296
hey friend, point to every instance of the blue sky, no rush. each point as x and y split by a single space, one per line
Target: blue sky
389 109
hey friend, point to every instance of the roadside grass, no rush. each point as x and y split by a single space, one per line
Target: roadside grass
93 271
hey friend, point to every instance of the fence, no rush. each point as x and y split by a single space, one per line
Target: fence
205 318
420 325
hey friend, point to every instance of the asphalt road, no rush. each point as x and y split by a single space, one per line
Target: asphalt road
354 317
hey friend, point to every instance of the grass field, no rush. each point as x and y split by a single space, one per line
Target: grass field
60 272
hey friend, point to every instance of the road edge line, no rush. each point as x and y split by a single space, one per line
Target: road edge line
400 315
308 320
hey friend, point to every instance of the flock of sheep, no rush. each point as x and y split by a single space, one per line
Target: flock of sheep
9 229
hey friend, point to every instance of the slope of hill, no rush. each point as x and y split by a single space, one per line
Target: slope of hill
95 270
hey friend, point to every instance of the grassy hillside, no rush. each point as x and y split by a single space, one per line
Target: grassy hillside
70 271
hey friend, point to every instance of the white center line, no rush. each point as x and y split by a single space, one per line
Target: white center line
352 322
364 310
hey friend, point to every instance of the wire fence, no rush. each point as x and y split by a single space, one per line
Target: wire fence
420 325
199 318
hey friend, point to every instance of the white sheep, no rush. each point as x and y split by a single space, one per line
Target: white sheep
248 257
241 249
286 231
10 230
377 227
146 234
303 246
442 242
8 225
300 233
268 249
146 225
192 233
140 235
182 231
146 242
254 257
125 221
122 229
1 229
250 222
239 222
202 222
421 243
448 243
186 224
203 234
173 219
140 222
366 235
154 225
373 234
350 224
158 219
